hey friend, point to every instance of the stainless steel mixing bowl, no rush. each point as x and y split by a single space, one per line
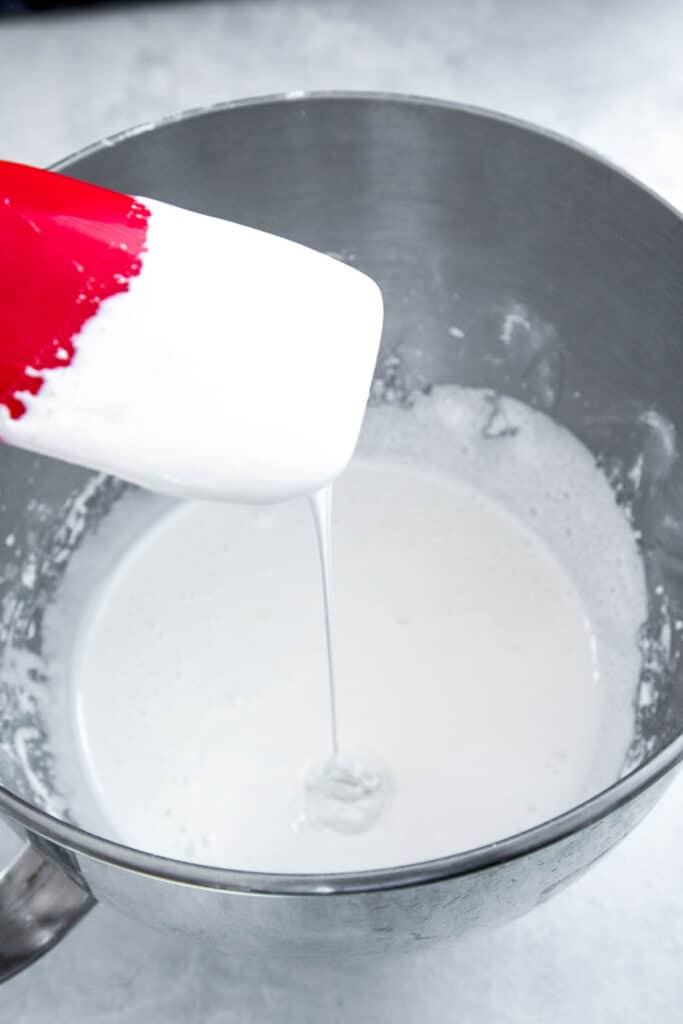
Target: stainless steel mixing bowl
509 259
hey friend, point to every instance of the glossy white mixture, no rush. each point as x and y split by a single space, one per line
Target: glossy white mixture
488 593
237 366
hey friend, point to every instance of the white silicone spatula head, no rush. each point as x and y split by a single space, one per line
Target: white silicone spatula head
182 352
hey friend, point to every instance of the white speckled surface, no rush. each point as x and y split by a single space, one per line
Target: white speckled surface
611 948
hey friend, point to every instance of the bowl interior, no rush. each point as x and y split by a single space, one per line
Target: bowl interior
508 260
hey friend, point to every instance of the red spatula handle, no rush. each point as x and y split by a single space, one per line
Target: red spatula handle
65 246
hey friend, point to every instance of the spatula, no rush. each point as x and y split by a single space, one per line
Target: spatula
183 352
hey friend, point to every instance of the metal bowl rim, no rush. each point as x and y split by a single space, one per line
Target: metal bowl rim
79 841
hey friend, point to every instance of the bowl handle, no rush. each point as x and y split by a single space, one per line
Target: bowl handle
39 904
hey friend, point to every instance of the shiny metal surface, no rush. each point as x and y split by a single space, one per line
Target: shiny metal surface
39 904
561 278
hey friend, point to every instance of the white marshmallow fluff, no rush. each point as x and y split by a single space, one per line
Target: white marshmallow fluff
487 597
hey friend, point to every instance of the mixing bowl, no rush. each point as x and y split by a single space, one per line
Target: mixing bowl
509 259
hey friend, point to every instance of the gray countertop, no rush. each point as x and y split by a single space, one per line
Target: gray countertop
611 75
